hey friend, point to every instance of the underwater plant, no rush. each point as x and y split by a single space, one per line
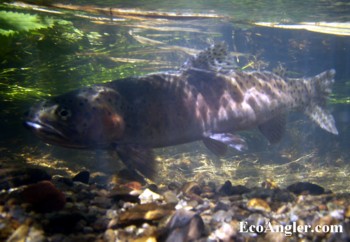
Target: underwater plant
15 22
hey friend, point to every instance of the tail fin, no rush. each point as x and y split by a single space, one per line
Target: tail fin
321 87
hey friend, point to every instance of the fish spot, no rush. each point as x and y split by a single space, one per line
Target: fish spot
252 102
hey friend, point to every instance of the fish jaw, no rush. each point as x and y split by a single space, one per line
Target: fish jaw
48 133
44 127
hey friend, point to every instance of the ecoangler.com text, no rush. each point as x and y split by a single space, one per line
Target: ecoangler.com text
288 230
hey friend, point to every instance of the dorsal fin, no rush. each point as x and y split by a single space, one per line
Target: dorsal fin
214 58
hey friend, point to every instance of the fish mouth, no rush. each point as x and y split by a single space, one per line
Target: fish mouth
45 131
51 135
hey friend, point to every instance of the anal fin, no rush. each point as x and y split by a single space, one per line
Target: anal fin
139 158
217 143
274 128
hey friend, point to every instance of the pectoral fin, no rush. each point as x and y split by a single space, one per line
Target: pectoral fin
274 129
217 143
139 158
217 147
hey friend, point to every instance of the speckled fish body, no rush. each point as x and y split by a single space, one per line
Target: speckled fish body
202 101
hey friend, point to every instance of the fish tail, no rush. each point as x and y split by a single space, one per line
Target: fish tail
321 88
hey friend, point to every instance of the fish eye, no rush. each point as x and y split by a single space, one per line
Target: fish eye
63 113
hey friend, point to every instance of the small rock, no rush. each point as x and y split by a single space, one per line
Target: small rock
44 197
226 188
63 180
36 235
83 176
185 226
256 219
258 204
191 188
180 219
269 184
109 236
170 197
102 202
147 211
173 186
125 194
323 222
239 190
153 187
226 232
20 234
259 192
281 195
19 177
277 236
134 185
147 196
99 178
64 222
306 188
208 195
88 229
222 216
222 205
347 211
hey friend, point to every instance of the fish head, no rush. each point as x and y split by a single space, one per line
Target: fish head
85 118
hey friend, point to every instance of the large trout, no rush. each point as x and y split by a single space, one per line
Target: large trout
201 101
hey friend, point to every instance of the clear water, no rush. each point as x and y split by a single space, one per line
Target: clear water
48 50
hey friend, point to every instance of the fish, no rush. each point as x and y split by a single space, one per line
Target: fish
204 100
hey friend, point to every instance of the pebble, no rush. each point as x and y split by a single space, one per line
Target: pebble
83 176
20 234
148 196
347 211
63 222
257 204
226 232
24 176
191 188
194 211
222 216
36 235
170 197
185 226
44 197
109 235
306 188
147 211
